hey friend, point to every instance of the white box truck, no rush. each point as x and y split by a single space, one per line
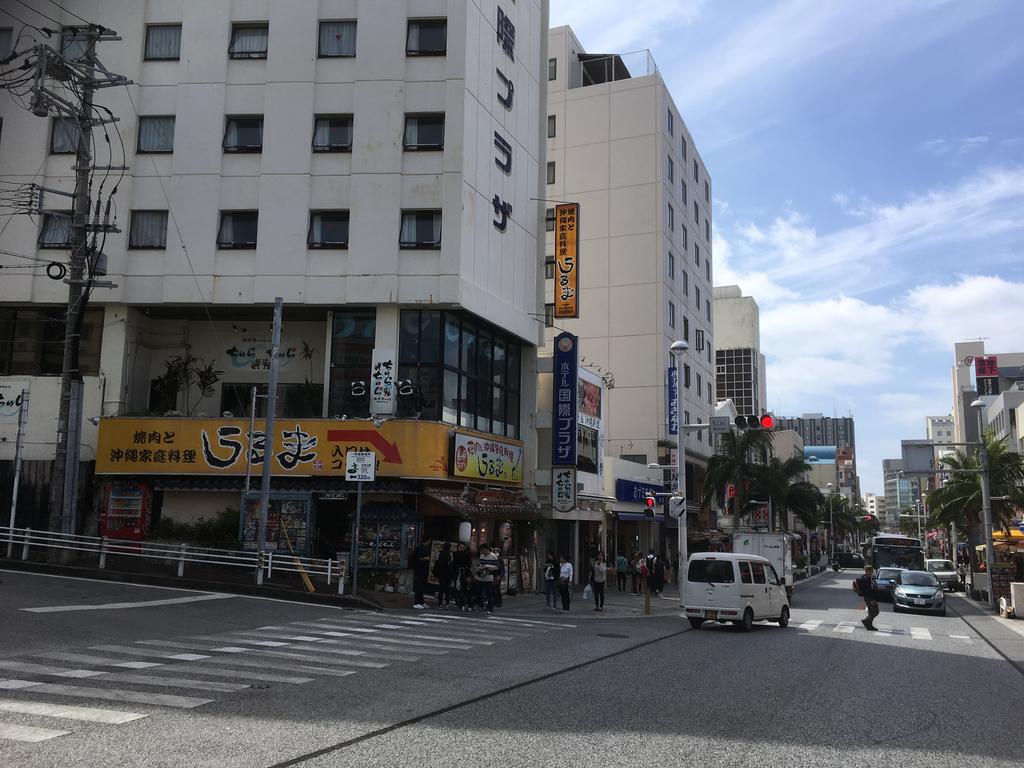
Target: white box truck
775 547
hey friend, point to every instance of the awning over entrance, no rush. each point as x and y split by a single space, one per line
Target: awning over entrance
471 504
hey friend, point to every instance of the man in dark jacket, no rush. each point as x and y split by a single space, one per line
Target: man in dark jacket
420 572
865 587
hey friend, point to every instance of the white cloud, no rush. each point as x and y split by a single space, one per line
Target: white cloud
957 147
608 26
752 283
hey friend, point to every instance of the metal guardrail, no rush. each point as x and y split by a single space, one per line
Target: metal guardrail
263 564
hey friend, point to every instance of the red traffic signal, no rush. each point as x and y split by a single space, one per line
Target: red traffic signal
649 501
767 421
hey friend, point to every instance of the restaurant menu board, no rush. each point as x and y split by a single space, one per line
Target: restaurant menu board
284 516
381 544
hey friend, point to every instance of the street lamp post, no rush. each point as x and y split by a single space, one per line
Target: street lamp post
831 526
986 500
676 351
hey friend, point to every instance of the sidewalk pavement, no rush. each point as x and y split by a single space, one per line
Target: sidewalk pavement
1006 636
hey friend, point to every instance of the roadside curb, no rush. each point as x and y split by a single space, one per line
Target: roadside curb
143 579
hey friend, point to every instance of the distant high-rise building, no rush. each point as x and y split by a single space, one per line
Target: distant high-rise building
739 364
817 429
899 492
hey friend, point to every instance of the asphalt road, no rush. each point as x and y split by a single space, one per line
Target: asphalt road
100 674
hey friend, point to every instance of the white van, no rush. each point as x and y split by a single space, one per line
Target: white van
725 586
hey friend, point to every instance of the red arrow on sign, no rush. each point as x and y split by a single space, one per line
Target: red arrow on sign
389 452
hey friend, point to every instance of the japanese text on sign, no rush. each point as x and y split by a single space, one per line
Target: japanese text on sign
567 260
564 405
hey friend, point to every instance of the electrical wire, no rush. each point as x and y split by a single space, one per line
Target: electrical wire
72 13
36 10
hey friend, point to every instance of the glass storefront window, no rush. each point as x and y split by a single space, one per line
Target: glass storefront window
352 342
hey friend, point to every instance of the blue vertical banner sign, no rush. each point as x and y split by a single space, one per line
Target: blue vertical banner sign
672 409
563 406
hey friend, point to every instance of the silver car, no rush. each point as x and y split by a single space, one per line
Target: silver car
944 571
918 591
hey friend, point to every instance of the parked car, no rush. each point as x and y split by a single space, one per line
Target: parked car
849 560
945 572
885 582
918 591
737 588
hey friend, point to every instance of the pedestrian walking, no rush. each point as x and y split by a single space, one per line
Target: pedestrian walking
621 570
461 564
598 578
486 570
420 571
499 576
444 573
550 583
565 575
865 587
637 562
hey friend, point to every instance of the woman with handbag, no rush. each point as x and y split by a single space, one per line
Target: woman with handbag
565 574
598 578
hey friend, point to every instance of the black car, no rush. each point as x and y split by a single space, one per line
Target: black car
885 582
849 560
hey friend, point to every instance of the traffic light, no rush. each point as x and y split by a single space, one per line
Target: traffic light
649 502
764 421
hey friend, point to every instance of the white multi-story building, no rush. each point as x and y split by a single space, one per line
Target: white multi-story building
376 165
617 145
874 505
740 371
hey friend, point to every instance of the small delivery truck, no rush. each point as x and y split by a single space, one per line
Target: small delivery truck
775 547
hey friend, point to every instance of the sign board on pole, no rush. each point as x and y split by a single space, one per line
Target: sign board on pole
564 405
672 407
720 425
360 466
563 488
567 218
676 506
382 382
10 398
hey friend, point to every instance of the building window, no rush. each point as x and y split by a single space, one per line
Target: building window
696 254
698 340
686 284
294 401
707 192
682 192
63 136
709 389
707 229
352 341
424 133
163 42
243 134
56 230
686 376
671 265
549 268
237 229
696 170
671 218
420 229
549 219
467 371
332 133
549 315
73 45
249 41
671 123
337 39
671 171
686 329
671 315
156 134
148 229
707 269
551 172
707 309
551 126
427 37
682 147
686 238
6 41
696 213
31 341
552 69
328 229
700 384
696 296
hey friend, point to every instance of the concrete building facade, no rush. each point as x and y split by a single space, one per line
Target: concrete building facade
740 370
378 169
816 429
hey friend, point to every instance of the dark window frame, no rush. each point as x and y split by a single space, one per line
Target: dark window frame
552 69
431 51
224 245
552 126
145 44
333 148
32 340
138 137
407 147
319 49
253 55
420 245
131 230
53 132
550 173
242 149
329 245
66 245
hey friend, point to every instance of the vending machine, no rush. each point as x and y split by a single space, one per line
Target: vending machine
127 511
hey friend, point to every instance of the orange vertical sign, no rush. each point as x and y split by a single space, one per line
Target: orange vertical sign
567 264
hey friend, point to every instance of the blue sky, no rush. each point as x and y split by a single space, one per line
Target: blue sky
868 168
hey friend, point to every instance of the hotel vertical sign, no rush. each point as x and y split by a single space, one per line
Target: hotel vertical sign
505 31
564 407
567 219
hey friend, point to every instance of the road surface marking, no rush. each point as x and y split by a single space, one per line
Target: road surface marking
456 632
115 694
28 733
844 628
262 663
16 685
97 661
437 637
920 633
88 715
960 637
122 606
379 637
362 642
173 682
810 626
43 669
244 675
188 657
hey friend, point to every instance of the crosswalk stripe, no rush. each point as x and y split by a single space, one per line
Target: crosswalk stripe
246 675
455 623
388 648
16 685
88 715
810 626
115 694
173 682
28 733
371 654
96 661
378 636
262 663
44 669
843 628
298 656
920 633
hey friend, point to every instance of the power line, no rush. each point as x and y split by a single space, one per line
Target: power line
36 10
69 12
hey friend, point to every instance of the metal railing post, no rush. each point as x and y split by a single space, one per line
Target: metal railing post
270 565
24 546
329 564
181 560
259 569
103 553
341 577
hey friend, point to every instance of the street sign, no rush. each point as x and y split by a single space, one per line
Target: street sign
563 488
360 466
720 425
677 506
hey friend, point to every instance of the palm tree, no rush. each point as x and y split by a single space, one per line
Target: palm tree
958 502
782 481
734 465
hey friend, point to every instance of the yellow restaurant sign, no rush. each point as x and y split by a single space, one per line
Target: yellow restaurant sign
302 447
480 457
567 267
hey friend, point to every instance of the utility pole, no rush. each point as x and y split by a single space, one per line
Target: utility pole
269 430
89 76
